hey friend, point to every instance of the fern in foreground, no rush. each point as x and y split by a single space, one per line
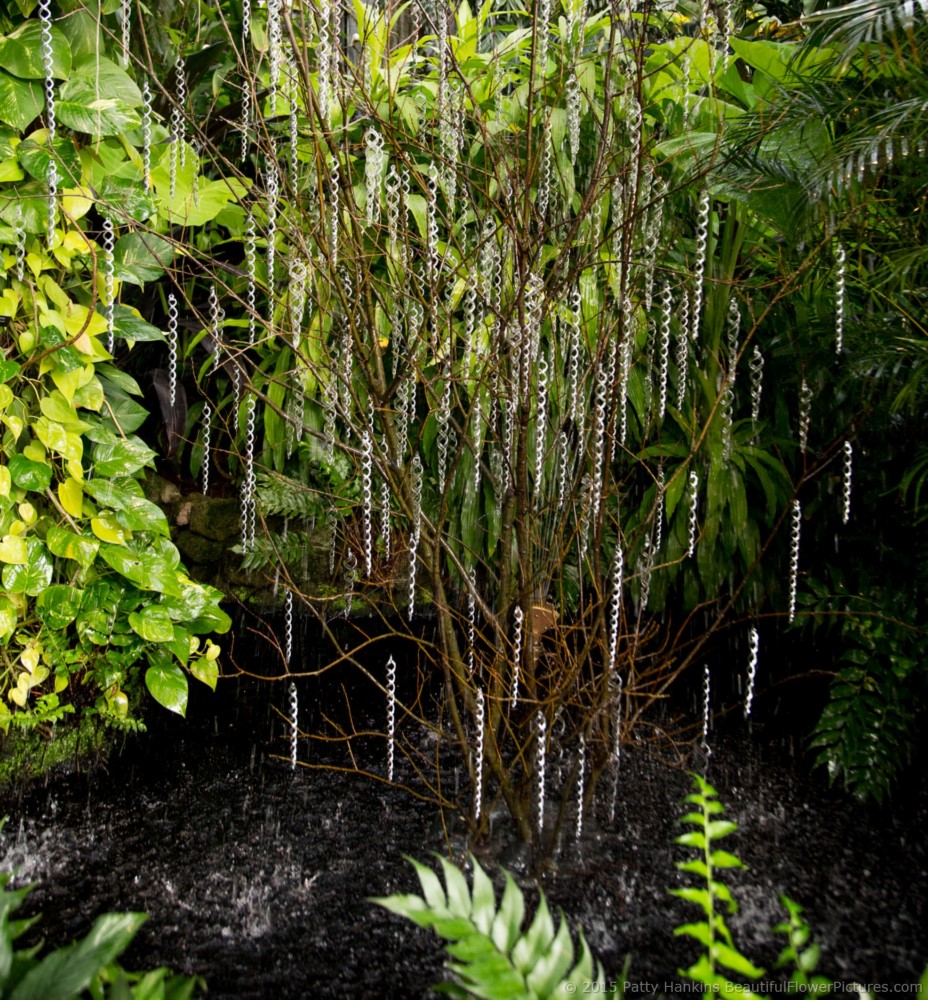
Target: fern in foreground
493 958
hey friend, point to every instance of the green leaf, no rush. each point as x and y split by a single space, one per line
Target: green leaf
32 577
106 79
36 158
9 617
205 671
21 52
67 972
734 960
139 257
59 605
79 107
508 923
166 682
129 325
67 545
145 569
153 624
8 370
122 458
21 101
29 475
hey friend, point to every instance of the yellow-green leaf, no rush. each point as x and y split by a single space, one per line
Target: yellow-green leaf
71 496
108 529
13 550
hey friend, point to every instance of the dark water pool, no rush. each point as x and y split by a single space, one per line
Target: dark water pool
258 878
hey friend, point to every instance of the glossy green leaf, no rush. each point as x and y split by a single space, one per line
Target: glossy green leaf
122 458
29 475
67 545
106 79
145 569
128 324
79 107
36 158
166 682
21 52
205 671
141 257
34 575
153 624
21 101
59 605
8 370
9 617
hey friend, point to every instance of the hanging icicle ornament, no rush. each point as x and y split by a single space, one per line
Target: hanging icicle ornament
664 350
753 650
574 106
275 52
659 509
246 120
391 715
207 430
125 28
805 415
691 521
367 498
541 739
294 725
385 532
19 235
757 381
683 347
840 269
109 282
616 754
251 277
699 270
288 627
324 55
373 171
471 622
541 429
178 121
479 724
795 528
146 137
706 693
334 196
293 121
350 574
415 529
615 607
48 71
297 275
272 185
581 785
518 618
172 348
249 485
846 482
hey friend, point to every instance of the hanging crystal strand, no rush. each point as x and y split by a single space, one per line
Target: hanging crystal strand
564 464
125 25
416 529
541 738
332 528
573 352
757 382
574 105
846 483
251 275
691 521
598 436
334 185
753 649
615 607
840 261
373 171
443 419
541 430
297 275
391 714
207 428
732 328
294 723
546 180
706 691
699 270
659 511
172 348
683 347
795 528
272 184
178 155
385 533
275 54
664 353
625 365
479 723
471 621
652 234
146 136
288 626
805 415
324 55
329 404
109 282
616 746
45 24
246 120
581 782
367 499
518 618
248 487
293 121
351 565
19 234
645 566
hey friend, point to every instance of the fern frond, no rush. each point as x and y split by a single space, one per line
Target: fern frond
279 495
493 957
